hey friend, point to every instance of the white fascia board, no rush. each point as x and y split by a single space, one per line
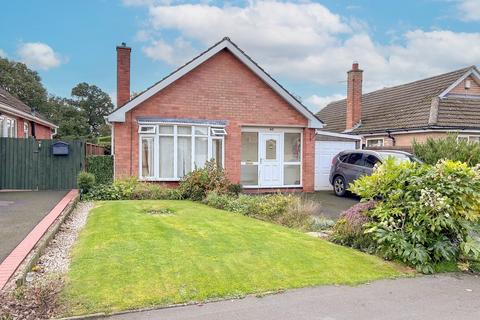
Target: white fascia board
463 130
27 116
338 135
472 71
119 114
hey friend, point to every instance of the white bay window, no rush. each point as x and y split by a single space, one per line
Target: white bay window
177 149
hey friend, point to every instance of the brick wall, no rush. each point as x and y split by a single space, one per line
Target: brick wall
474 87
354 96
406 139
221 88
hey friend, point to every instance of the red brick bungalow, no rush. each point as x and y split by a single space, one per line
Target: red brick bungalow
17 120
223 106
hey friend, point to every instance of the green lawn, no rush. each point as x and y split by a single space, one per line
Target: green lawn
127 258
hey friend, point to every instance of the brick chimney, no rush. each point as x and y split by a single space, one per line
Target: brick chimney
123 74
354 96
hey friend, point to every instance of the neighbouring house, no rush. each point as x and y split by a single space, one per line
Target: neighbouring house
223 106
396 116
17 120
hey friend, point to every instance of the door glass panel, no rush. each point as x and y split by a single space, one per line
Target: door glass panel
291 174
292 150
217 152
201 151
249 146
147 157
271 149
166 157
249 175
184 156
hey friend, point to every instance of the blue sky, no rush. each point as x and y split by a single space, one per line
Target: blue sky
307 46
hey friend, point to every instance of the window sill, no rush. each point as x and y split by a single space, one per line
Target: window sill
159 179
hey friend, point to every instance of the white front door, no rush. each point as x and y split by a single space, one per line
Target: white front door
270 164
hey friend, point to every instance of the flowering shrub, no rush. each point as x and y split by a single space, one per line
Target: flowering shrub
349 230
424 214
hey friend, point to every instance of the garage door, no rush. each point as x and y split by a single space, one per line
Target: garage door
324 153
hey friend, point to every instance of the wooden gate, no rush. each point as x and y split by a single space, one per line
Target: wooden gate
30 164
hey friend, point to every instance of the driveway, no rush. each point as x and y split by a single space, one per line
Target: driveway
331 205
20 211
447 296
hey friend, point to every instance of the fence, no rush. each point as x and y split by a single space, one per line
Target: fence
94 149
30 164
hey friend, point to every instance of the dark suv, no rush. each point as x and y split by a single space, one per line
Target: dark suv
347 166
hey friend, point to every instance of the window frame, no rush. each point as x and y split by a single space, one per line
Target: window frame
26 129
468 137
3 129
367 140
193 135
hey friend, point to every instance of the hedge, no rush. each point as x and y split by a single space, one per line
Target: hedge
101 167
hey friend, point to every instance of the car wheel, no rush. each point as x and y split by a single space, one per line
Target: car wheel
339 186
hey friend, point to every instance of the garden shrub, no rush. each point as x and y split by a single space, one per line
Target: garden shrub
101 167
85 181
424 214
199 182
449 148
288 210
131 189
321 223
349 230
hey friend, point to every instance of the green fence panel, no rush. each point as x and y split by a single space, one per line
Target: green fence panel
30 164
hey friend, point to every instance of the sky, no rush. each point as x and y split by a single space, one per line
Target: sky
308 46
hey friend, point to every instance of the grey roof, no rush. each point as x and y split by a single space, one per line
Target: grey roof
11 101
407 106
183 120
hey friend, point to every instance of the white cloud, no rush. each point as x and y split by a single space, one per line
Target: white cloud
306 41
174 54
317 103
3 54
469 10
39 55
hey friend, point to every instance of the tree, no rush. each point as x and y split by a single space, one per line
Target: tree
23 83
94 103
71 121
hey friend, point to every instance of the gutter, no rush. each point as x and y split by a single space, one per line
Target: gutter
26 115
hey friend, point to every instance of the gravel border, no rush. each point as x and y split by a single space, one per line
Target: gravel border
55 259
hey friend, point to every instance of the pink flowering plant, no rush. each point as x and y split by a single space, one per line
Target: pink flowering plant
424 214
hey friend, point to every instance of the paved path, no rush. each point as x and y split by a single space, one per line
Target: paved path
20 211
448 296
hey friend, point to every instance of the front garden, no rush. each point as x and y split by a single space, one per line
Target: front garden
141 253
206 240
